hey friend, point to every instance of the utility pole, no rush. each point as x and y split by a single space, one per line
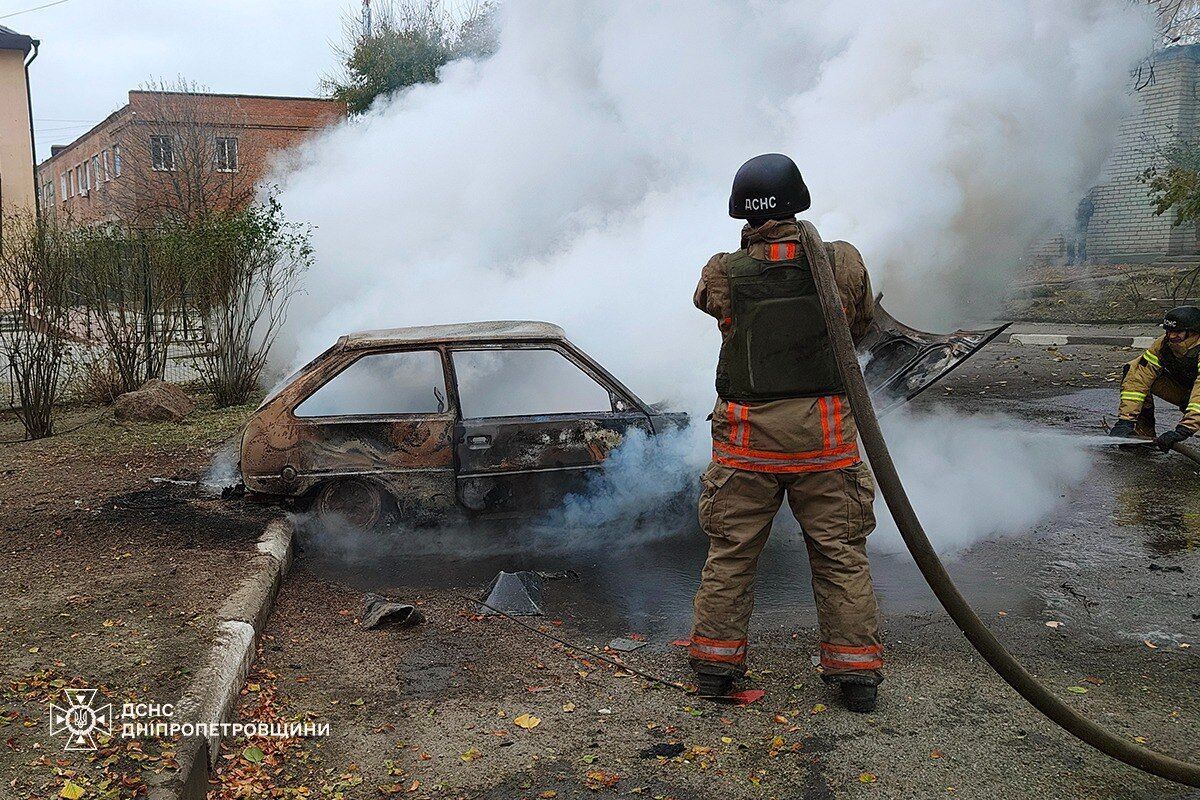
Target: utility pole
366 19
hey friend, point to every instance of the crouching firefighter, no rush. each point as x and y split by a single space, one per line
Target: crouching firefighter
1166 369
782 427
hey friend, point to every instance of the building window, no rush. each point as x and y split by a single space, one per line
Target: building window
79 185
64 179
162 153
48 194
226 155
106 165
116 160
96 170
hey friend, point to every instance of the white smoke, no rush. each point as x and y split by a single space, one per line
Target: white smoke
973 477
580 176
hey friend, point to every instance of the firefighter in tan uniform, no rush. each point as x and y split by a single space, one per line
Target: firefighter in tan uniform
782 427
1166 369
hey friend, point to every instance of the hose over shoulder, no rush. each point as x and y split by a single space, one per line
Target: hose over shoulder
980 637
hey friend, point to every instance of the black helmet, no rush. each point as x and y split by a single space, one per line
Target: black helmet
1184 318
768 186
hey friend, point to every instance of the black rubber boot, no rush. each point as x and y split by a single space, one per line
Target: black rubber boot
859 697
709 684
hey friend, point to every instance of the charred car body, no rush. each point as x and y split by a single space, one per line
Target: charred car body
488 418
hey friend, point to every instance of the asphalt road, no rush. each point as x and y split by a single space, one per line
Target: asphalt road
1112 564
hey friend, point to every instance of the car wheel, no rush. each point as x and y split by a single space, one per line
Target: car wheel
358 502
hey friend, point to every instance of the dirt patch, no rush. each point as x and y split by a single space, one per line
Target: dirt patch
112 582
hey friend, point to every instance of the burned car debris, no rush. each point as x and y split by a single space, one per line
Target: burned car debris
486 419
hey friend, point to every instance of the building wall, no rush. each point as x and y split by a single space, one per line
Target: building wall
262 126
1123 227
16 149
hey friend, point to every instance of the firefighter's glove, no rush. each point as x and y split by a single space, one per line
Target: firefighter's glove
1123 427
1168 440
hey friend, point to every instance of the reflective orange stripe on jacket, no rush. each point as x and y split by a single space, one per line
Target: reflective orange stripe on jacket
841 656
728 651
835 452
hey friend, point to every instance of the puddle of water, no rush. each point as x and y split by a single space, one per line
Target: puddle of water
646 588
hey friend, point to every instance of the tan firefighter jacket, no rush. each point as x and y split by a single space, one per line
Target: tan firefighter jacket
800 434
1148 368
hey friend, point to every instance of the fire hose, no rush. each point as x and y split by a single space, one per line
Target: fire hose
982 639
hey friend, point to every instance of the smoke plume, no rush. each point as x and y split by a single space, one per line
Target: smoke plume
580 176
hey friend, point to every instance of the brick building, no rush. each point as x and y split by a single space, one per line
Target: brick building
177 150
1115 223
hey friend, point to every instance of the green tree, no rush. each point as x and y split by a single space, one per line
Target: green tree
1174 182
408 43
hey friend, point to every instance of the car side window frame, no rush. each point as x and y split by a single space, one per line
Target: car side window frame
602 379
449 412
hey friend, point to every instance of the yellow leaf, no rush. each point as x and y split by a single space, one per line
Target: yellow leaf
817 709
1140 739
568 707
71 791
527 721
867 777
470 755
726 740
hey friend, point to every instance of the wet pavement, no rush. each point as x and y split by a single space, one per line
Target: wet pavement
1137 512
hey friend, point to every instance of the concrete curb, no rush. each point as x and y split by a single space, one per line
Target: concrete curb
1059 339
210 697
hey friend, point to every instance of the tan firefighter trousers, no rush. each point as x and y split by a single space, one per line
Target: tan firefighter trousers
834 509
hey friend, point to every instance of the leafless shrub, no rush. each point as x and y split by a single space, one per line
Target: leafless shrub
133 284
36 280
99 382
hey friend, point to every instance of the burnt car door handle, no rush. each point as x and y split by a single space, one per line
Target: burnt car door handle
479 442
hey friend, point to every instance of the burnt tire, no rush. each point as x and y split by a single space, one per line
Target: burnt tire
358 502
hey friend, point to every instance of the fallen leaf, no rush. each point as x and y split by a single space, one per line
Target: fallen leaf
682 643
548 793
1149 644
867 777
1077 689
781 719
471 755
1053 624
527 721
71 791
935 753
727 740
817 709
568 707
253 754
1094 681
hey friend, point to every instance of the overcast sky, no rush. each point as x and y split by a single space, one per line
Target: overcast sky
94 51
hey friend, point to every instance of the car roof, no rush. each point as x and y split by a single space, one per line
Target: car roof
499 330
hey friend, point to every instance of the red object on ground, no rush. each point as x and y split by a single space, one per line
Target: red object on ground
682 642
747 696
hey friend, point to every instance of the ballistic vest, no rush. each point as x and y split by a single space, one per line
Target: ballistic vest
1181 368
778 345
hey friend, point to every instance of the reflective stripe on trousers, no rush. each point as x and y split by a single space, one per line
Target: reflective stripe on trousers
726 651
842 657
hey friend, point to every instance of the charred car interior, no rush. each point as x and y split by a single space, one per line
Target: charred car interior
488 419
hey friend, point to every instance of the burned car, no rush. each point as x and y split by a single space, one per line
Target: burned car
486 419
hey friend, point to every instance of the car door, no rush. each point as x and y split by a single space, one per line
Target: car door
537 421
384 417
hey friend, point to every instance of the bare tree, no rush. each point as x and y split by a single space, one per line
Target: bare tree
179 156
36 277
1179 20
